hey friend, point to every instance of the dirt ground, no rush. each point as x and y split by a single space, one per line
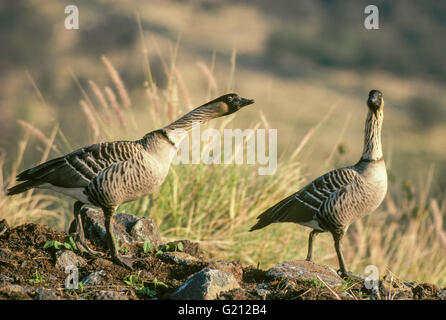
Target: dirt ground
28 271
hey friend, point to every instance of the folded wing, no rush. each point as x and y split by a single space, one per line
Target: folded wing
303 206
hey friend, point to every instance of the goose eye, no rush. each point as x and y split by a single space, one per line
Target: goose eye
230 99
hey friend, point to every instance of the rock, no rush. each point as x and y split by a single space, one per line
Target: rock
178 257
127 228
101 263
94 279
233 267
65 258
302 269
206 285
111 295
45 294
14 291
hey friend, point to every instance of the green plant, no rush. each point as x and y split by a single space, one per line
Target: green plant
68 244
170 247
38 278
147 245
313 281
139 284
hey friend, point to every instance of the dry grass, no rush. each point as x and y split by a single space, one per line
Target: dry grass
217 204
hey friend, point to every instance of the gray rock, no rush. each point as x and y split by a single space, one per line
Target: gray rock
178 257
14 291
127 228
46 294
302 269
110 295
206 285
234 267
65 258
94 279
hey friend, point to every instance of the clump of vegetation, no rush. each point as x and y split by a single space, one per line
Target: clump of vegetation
144 287
147 245
68 244
38 278
170 247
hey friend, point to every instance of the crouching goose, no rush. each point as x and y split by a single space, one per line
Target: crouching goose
111 173
335 200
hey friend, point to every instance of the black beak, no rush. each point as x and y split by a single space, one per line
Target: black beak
245 102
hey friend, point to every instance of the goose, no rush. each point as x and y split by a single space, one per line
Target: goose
336 199
108 174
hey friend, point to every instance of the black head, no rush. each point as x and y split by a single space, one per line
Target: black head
234 102
375 101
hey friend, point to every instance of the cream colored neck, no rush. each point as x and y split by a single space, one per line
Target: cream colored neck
372 137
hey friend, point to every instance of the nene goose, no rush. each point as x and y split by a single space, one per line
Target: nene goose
338 198
108 174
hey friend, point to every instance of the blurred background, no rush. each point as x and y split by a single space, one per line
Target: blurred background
308 64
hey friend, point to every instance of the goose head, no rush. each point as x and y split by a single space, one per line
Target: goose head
230 103
375 102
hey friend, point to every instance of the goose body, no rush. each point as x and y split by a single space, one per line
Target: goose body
111 173
105 174
336 199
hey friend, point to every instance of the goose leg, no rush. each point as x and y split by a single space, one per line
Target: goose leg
116 256
313 234
80 241
337 241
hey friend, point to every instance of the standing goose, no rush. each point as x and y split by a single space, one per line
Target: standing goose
335 200
111 173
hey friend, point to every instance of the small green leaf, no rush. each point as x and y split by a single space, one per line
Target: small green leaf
48 244
147 246
159 283
57 245
72 243
180 246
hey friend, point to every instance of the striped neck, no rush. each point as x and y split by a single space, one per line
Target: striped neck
201 114
372 138
179 129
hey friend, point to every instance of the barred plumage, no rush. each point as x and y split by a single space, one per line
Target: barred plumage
111 173
335 200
